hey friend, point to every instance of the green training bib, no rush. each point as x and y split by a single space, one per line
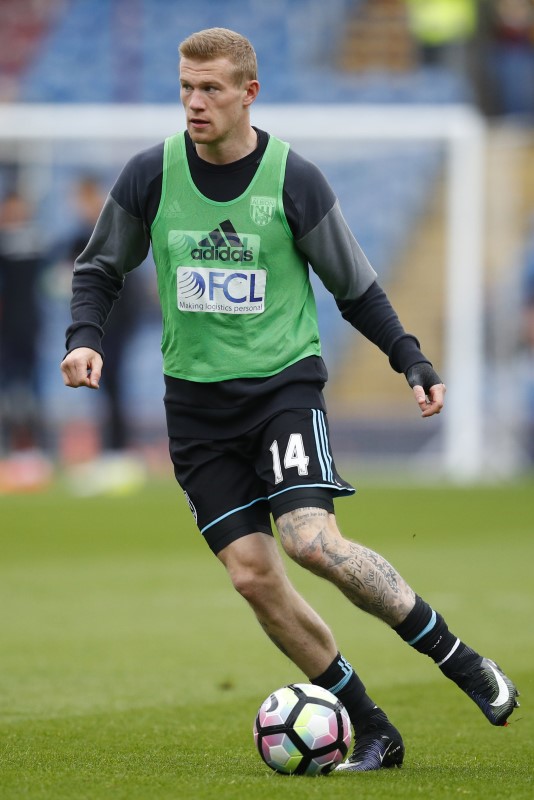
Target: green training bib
234 289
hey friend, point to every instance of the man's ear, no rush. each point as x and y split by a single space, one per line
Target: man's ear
252 89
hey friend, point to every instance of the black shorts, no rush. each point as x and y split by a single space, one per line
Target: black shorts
233 485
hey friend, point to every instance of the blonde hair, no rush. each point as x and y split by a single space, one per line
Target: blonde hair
222 43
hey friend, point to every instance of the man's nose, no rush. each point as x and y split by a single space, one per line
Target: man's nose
196 99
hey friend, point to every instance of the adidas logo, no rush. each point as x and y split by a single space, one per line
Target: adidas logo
222 244
173 209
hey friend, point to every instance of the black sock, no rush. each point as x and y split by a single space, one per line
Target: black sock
341 679
427 632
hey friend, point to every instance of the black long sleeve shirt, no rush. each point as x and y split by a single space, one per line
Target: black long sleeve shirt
121 241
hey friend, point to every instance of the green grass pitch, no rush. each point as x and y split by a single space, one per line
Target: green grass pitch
129 669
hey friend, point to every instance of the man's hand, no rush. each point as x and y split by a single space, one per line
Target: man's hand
82 367
428 388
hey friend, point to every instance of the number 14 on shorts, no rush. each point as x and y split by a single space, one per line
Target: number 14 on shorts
294 457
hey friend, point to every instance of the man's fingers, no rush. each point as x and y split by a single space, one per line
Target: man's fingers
66 376
82 367
93 375
433 402
75 376
420 396
69 372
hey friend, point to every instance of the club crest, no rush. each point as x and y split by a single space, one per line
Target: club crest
262 209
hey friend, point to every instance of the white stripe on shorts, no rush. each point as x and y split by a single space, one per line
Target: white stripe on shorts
321 443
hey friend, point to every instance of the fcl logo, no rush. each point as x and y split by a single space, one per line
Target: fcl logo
262 209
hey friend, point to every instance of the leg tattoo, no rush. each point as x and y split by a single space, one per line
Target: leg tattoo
364 577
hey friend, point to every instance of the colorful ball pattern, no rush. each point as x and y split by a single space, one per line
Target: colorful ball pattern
302 729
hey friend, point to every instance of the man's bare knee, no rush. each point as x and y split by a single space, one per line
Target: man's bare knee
253 583
254 567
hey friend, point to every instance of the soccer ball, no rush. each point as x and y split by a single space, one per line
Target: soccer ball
302 729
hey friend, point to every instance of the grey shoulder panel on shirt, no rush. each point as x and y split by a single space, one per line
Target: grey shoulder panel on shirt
336 257
308 196
118 244
138 188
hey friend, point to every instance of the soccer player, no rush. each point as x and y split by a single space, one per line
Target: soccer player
234 217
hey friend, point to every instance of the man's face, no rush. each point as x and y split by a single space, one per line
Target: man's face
215 106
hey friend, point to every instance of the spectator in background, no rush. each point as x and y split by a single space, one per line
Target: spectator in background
529 305
454 37
21 420
102 450
119 328
512 56
442 30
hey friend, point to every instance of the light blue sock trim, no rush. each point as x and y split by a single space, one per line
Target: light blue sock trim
426 629
343 682
348 673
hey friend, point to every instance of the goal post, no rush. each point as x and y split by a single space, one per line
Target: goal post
27 132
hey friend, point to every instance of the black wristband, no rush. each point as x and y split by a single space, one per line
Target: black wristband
423 374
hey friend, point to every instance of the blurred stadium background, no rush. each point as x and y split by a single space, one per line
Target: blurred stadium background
109 59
